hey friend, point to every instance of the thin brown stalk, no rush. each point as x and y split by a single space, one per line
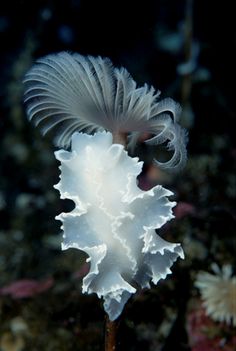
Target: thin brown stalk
186 86
111 328
120 138
188 40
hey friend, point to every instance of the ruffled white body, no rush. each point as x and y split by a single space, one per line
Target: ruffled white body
113 220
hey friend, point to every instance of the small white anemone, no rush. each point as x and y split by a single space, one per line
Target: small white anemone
71 92
113 220
218 292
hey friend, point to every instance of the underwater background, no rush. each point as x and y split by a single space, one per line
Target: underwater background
186 49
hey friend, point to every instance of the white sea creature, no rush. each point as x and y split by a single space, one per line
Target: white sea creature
113 220
218 292
71 92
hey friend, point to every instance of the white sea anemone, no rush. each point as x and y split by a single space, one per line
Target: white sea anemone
218 292
113 220
84 93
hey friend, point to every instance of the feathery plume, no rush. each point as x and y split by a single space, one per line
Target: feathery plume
70 92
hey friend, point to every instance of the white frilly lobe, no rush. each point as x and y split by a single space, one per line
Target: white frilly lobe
71 92
113 220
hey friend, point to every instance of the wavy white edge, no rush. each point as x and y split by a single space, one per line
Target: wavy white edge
68 92
113 220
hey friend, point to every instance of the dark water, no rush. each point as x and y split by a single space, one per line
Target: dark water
152 40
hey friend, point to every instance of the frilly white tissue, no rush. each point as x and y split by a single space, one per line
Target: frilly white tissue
113 220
